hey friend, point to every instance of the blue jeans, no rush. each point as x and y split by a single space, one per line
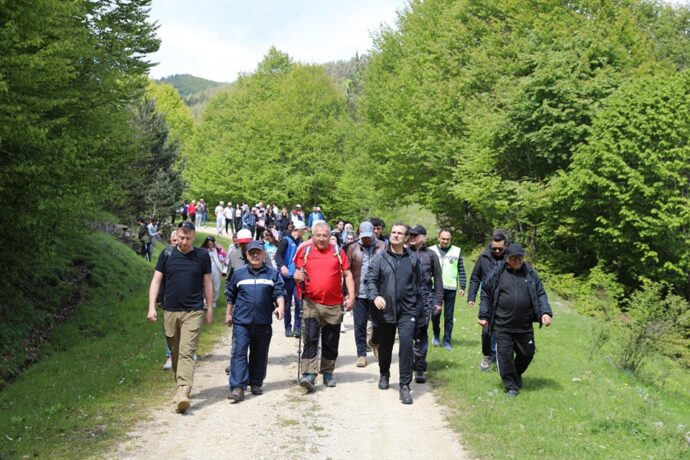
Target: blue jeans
290 294
448 313
361 316
252 340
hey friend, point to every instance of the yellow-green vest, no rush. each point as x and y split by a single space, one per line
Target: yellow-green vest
449 266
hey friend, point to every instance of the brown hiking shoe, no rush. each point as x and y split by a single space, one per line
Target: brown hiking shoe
182 398
361 361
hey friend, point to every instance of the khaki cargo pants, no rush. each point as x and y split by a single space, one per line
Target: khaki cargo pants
182 329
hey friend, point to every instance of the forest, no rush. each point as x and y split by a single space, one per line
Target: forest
565 122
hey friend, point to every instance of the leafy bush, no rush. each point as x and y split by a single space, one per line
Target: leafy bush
652 318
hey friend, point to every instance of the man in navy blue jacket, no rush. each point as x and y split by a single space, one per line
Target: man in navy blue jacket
251 294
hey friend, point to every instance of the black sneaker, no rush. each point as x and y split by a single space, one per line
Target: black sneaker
384 383
511 393
328 379
296 333
257 391
237 394
227 369
288 332
405 395
307 381
420 377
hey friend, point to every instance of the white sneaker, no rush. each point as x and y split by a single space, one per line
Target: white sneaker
168 364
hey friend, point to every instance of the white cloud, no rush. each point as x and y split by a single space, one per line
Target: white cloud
216 40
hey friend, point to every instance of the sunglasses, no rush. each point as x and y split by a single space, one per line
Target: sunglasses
497 249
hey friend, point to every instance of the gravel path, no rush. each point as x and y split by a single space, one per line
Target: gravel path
353 420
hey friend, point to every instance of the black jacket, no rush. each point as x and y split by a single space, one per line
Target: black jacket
431 267
540 303
485 263
382 281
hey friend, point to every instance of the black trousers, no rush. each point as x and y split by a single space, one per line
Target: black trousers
384 335
514 353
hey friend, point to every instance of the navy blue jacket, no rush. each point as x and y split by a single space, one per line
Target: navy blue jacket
253 294
490 286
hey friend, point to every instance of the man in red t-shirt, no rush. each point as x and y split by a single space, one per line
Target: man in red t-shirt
322 267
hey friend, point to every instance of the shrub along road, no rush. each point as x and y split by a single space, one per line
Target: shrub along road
353 420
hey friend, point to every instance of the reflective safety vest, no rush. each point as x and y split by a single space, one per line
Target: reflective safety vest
449 266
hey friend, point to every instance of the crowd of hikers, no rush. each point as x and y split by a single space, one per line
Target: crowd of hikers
390 284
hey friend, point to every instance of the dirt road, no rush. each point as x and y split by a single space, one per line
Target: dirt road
354 420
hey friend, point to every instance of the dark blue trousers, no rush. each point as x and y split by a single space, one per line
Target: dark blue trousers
290 295
448 313
361 316
249 354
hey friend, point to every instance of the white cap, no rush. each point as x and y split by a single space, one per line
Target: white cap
299 225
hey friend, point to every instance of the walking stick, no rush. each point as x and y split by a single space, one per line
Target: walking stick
299 348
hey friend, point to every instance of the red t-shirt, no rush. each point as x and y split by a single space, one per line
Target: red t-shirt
324 284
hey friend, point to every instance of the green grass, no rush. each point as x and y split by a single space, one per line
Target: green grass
100 371
575 403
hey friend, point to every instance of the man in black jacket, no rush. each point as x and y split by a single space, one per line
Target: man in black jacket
487 261
395 287
431 268
513 297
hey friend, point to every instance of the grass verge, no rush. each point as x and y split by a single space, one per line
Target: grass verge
101 370
575 403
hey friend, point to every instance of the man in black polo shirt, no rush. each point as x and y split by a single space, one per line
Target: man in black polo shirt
187 272
513 297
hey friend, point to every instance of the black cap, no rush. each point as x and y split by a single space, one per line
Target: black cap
418 230
515 250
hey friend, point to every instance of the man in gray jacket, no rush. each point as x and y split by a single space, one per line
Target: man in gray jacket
396 288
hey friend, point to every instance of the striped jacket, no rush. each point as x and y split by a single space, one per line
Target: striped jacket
253 293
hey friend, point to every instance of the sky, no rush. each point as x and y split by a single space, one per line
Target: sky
217 39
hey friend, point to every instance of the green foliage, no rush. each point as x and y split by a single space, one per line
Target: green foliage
625 199
652 317
189 85
68 71
178 116
277 135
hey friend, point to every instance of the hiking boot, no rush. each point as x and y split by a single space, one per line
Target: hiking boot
257 390
296 333
384 382
308 381
405 395
374 347
485 365
182 399
447 346
328 379
288 332
420 377
168 364
361 361
511 393
435 341
236 394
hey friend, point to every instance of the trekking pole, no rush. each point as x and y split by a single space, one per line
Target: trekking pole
299 348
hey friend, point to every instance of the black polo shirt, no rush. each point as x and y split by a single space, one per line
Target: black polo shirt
184 278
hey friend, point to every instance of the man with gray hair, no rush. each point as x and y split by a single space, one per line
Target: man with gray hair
321 267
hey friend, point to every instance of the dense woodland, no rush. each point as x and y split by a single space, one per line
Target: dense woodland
567 123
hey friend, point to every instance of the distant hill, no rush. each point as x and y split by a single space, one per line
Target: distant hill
188 85
195 91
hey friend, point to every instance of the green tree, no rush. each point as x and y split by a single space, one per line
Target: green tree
276 135
626 198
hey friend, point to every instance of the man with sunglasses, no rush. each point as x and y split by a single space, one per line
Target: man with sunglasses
513 298
487 261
